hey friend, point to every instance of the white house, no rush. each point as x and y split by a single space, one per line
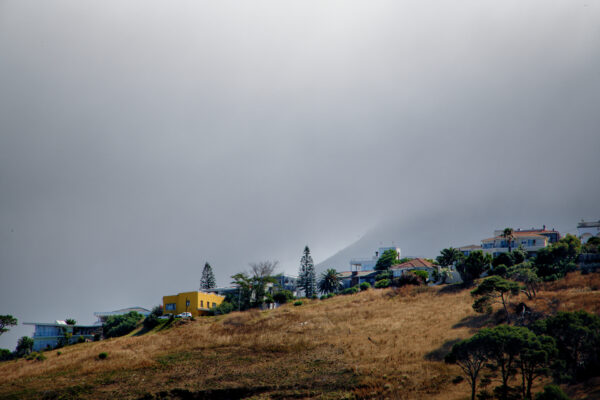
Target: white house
530 242
586 230
48 335
368 264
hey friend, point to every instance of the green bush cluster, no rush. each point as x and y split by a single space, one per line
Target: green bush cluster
365 286
103 356
298 303
350 290
383 283
119 325
283 296
224 308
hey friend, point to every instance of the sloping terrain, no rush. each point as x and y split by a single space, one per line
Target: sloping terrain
375 344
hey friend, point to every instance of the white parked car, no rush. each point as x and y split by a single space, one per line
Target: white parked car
184 315
165 316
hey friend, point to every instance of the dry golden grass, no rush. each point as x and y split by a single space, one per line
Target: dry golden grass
375 344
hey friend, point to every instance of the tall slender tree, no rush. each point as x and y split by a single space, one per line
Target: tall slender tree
508 234
306 278
207 281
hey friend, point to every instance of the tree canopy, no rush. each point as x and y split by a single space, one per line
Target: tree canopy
471 267
386 260
207 280
449 256
7 321
306 276
554 261
329 282
494 288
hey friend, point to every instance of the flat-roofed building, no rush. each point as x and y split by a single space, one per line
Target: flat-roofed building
50 335
197 303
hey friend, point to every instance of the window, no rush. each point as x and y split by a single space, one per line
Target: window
201 303
170 307
214 305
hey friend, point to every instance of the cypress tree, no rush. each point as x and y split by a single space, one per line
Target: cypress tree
307 279
207 281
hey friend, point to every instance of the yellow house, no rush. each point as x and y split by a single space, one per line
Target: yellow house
197 303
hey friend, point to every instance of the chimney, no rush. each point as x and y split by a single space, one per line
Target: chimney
377 254
544 228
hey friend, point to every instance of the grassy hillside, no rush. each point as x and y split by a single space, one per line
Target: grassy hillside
379 343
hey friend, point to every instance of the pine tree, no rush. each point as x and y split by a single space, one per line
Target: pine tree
307 279
207 281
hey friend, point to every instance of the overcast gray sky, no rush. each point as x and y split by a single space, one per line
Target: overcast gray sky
139 139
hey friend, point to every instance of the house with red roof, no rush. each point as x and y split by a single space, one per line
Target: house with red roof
416 264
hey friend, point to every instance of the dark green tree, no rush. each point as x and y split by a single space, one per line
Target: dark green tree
473 266
207 281
503 345
449 257
386 260
306 276
554 261
329 282
70 321
577 336
245 286
6 321
506 259
24 346
592 245
471 356
525 274
535 357
492 289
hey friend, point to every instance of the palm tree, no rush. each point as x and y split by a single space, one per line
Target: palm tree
330 281
508 235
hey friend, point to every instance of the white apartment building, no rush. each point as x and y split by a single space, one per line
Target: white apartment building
586 230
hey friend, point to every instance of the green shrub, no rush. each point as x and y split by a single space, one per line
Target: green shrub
408 278
103 355
382 283
365 286
283 296
323 297
330 295
421 274
58 353
151 321
350 290
552 392
157 311
298 303
224 308
119 325
80 339
97 337
384 275
5 354
40 357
